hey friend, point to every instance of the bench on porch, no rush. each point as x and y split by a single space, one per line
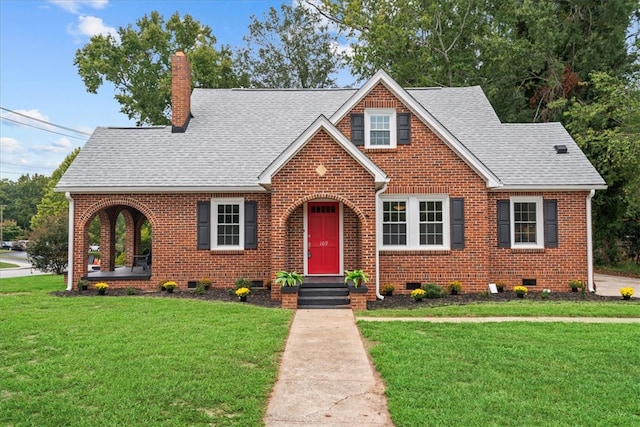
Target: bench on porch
143 261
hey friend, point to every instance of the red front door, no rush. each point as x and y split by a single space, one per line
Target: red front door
323 252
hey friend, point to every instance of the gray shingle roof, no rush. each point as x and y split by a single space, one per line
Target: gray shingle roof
236 133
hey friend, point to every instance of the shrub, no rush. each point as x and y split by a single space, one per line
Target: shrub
576 284
455 285
243 283
130 290
356 276
388 288
432 291
285 278
49 246
205 282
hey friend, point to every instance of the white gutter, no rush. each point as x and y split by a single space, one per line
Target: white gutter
71 233
378 193
590 243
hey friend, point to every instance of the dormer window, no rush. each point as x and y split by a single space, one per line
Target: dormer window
380 128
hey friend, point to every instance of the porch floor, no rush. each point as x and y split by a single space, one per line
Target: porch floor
120 273
321 280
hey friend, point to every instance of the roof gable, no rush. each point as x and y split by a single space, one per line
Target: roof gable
322 122
425 116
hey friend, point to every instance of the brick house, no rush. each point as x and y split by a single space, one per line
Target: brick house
409 185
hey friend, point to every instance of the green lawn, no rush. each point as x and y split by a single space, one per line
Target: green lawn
8 265
519 309
95 361
508 374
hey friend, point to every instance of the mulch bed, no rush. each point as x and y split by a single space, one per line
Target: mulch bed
262 297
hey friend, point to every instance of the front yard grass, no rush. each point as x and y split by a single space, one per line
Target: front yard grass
518 309
508 374
133 361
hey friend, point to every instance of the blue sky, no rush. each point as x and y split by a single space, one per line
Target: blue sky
38 40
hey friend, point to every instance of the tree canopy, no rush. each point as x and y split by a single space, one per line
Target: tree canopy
138 63
290 48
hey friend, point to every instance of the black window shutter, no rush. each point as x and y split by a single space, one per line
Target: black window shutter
457 223
357 129
504 227
204 225
551 223
251 224
404 128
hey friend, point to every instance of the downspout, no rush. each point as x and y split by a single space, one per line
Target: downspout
590 243
378 193
71 233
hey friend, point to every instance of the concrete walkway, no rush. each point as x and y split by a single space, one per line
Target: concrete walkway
325 377
607 285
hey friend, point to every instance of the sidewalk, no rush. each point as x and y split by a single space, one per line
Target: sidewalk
325 376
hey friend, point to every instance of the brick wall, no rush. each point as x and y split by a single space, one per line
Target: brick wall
552 268
174 246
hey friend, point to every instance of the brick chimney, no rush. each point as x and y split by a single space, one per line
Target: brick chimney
180 92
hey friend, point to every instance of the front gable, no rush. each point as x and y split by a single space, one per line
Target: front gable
322 124
387 95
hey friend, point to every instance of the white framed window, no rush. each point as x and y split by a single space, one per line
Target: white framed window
415 222
228 223
526 222
380 128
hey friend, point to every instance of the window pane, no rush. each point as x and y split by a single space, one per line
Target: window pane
524 214
431 223
394 227
228 225
379 130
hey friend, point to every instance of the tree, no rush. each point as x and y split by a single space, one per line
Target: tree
608 130
53 203
291 48
138 63
11 230
526 55
427 43
48 249
21 198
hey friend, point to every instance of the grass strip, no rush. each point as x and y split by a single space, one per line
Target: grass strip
518 309
515 374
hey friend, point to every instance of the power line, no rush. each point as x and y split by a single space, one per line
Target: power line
41 121
44 129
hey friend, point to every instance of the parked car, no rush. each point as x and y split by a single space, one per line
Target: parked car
7 245
20 245
94 248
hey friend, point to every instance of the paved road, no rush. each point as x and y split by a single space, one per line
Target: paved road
20 259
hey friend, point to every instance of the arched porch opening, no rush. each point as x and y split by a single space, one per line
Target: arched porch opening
120 231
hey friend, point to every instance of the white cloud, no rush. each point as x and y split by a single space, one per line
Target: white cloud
10 146
90 26
17 118
74 6
60 145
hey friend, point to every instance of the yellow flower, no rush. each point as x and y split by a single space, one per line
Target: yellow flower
520 289
626 292
243 292
418 294
170 284
101 285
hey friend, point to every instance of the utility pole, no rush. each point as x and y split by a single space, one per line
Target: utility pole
2 222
